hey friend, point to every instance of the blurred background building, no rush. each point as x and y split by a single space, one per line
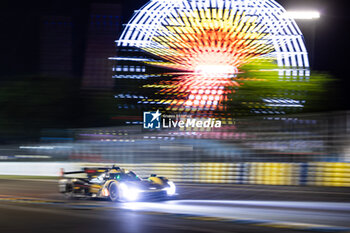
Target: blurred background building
56 46
104 26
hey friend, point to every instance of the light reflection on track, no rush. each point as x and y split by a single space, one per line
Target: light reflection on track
285 211
229 206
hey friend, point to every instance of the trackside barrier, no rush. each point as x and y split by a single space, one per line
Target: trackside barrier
319 173
36 168
313 174
274 173
329 174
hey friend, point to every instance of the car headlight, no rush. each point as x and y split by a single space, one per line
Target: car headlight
129 193
171 190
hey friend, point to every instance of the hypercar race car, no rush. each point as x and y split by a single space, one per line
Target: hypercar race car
115 184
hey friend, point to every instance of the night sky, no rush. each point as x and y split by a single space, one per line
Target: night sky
20 33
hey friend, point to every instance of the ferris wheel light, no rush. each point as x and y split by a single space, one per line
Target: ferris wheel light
185 33
201 45
216 69
303 14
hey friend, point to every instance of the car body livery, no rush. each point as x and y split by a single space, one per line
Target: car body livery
115 184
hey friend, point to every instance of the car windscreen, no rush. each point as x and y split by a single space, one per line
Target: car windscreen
125 176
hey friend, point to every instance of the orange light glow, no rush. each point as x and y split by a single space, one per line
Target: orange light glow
216 43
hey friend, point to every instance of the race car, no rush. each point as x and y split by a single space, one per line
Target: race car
115 184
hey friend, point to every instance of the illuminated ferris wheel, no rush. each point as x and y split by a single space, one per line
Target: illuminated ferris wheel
194 35
187 56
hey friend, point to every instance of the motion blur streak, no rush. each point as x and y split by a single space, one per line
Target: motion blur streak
300 212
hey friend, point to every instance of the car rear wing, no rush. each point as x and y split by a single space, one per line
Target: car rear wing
90 172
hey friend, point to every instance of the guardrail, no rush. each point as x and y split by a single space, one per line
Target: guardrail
313 174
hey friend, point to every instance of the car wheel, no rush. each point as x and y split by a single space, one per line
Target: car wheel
113 192
69 194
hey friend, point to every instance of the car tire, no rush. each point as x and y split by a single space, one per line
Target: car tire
69 194
113 191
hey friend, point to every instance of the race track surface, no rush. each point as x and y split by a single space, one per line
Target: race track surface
36 206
